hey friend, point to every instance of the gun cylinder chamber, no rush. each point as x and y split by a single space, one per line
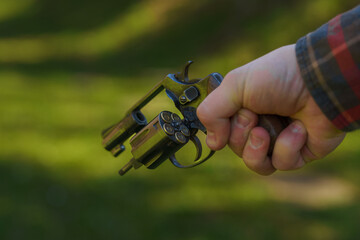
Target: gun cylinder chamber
114 136
162 137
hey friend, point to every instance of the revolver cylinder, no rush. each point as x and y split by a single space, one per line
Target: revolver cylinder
163 136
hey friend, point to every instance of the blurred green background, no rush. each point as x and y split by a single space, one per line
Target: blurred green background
70 68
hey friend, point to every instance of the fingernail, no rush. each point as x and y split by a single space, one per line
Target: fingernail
255 142
211 139
242 121
296 128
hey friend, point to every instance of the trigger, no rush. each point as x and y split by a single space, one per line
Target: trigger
198 146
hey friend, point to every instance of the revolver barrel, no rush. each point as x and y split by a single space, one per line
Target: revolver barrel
115 135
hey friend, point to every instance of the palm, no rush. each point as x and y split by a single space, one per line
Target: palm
323 137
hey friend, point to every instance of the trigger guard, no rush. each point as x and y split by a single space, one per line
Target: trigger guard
196 141
176 163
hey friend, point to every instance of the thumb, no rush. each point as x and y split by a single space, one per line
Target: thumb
217 109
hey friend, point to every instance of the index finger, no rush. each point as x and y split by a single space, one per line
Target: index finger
217 109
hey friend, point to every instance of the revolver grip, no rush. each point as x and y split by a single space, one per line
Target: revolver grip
274 124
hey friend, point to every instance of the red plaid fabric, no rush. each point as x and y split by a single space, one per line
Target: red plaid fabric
329 60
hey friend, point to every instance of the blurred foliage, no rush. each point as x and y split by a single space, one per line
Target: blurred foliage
70 68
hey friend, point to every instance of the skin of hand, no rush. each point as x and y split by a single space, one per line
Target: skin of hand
271 84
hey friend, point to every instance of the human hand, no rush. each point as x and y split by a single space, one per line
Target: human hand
271 84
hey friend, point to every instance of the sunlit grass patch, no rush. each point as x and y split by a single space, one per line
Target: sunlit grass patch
58 182
10 8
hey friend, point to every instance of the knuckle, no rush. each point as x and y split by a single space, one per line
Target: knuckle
246 119
232 75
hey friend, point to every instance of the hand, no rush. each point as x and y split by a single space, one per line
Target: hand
271 84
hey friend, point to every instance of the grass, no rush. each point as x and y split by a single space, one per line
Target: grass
57 94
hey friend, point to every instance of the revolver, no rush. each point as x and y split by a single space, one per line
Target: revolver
158 140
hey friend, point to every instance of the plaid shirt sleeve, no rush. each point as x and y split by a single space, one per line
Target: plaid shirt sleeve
329 60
